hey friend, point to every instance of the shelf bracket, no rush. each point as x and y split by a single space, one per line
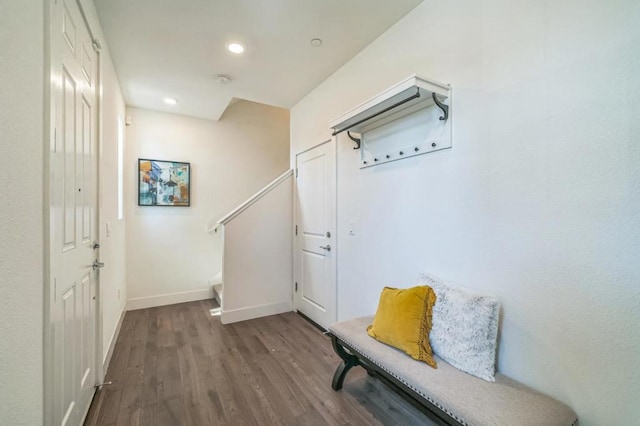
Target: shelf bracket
356 140
443 107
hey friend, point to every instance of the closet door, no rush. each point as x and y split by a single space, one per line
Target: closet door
315 292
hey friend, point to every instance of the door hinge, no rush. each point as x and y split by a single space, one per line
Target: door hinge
55 140
296 287
296 172
296 229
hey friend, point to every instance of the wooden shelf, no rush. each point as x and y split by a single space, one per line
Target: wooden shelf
406 97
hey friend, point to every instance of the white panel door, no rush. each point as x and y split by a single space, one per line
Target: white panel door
73 215
315 292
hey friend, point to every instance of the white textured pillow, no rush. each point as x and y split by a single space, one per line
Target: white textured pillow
465 327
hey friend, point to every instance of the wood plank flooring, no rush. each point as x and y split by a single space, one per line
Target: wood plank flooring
178 365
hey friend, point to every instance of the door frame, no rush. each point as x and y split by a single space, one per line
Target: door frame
296 212
49 114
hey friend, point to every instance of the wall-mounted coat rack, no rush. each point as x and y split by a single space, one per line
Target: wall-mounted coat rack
383 138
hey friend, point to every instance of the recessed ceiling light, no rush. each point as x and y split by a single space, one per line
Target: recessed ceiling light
222 78
170 101
235 47
316 42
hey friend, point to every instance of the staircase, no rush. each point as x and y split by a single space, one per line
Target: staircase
257 254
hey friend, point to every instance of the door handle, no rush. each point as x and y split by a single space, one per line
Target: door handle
97 264
327 247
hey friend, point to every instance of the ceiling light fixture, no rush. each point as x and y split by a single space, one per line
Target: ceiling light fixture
222 78
316 42
170 101
235 47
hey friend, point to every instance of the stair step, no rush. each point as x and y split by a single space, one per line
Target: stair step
217 293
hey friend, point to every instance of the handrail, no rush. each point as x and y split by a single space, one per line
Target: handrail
264 191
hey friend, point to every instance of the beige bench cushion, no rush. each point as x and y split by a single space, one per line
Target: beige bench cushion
466 398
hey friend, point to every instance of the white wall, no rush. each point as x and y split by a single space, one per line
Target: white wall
21 218
538 200
113 286
258 257
169 250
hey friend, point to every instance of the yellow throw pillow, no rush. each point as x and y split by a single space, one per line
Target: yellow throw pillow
403 320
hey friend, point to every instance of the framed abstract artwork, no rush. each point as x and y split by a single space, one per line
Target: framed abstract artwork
164 183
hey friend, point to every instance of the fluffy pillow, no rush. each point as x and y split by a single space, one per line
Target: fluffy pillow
403 320
465 327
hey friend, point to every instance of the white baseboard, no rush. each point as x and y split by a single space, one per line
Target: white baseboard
237 315
168 299
112 343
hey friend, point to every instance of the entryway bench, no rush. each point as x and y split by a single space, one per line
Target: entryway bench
446 394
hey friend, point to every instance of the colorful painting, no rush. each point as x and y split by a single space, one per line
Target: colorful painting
163 183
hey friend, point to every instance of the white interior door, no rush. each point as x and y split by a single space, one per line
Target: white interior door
73 217
315 292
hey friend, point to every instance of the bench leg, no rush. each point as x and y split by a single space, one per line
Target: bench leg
348 362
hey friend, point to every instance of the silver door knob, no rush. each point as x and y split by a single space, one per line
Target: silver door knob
97 264
327 247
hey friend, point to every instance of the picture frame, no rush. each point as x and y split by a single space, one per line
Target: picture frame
164 183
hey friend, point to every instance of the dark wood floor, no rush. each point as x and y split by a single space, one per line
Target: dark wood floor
178 365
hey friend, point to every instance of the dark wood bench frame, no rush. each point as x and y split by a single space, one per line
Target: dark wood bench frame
352 358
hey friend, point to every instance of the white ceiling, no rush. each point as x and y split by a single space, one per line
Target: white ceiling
173 48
